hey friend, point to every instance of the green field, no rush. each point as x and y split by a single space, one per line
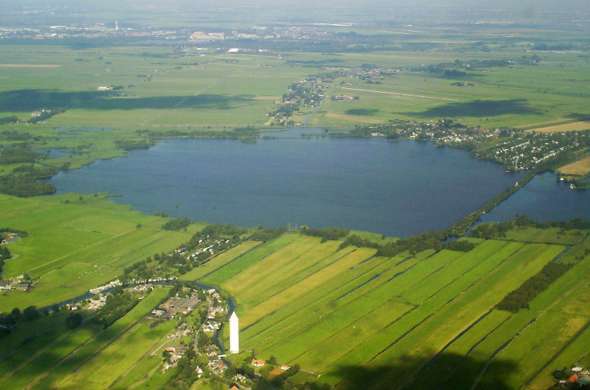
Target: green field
75 244
517 96
344 313
88 355
349 316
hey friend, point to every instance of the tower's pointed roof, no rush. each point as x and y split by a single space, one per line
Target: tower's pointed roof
233 316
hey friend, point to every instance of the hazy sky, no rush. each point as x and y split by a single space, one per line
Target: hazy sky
427 10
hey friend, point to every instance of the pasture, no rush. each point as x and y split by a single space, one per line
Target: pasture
345 314
88 356
162 89
523 96
76 243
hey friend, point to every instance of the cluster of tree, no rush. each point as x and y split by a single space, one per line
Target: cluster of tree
74 320
522 296
177 224
499 229
328 233
459 245
13 135
359 242
4 255
242 133
25 185
268 382
264 234
413 245
117 305
10 320
431 240
40 172
211 231
20 233
185 372
573 224
491 230
138 144
18 153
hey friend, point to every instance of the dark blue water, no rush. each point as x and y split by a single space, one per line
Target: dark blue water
395 188
544 199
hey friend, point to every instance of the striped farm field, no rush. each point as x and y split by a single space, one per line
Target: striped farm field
350 316
87 356
344 312
219 261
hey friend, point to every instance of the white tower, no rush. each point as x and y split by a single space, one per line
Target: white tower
234 333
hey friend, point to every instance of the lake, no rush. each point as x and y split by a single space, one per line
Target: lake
396 188
544 199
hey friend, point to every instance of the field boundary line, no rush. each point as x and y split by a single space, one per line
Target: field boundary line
298 310
320 269
108 342
401 336
556 354
329 313
502 346
481 340
304 254
400 94
219 254
83 249
411 308
150 353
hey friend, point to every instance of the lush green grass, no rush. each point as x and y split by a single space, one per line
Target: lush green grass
52 354
76 244
120 357
519 96
323 307
548 235
160 93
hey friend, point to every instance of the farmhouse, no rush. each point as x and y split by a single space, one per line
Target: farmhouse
258 363
20 283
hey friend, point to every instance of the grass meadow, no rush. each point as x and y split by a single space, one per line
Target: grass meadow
77 243
327 308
